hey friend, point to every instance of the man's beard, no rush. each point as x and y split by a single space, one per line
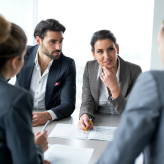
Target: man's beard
50 55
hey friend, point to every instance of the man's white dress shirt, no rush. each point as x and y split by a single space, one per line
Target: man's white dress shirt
38 86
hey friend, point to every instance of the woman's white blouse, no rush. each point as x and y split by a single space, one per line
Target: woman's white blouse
104 104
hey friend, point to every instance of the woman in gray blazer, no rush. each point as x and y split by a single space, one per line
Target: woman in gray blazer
17 142
107 80
141 128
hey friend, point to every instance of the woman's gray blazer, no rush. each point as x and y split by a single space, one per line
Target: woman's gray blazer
90 96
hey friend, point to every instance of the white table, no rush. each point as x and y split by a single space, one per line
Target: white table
98 146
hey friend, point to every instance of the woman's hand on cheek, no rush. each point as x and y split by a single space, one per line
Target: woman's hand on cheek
109 78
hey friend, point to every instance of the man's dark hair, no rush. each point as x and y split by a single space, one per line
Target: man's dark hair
101 35
48 25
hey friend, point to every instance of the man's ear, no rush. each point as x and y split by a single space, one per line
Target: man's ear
38 40
117 48
94 56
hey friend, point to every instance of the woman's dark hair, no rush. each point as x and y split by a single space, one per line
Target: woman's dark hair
12 41
101 35
48 25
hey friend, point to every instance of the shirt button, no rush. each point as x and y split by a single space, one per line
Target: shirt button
36 92
35 101
39 81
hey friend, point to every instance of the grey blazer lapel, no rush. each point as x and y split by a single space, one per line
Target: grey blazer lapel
124 79
95 83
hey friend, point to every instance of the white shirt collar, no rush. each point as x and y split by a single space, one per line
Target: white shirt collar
117 74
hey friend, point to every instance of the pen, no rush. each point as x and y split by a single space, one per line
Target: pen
87 126
44 128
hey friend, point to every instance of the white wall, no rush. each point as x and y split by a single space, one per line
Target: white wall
23 13
158 17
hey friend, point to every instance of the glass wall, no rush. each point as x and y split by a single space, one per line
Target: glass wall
21 12
130 20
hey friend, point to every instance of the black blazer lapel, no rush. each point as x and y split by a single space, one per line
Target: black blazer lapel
52 78
124 79
29 66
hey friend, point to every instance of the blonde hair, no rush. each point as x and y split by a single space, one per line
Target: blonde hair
12 41
5 28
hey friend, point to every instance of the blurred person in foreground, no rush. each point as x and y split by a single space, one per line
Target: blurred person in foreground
141 128
17 142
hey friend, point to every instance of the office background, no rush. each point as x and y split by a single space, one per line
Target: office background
135 24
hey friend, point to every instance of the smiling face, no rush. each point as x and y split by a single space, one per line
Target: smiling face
161 42
105 52
51 45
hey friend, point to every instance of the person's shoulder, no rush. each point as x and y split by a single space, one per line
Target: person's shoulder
158 75
152 76
133 68
91 66
147 90
22 99
67 59
17 90
21 102
92 62
156 72
14 95
30 49
151 80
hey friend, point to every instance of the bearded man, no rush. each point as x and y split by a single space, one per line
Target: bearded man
48 74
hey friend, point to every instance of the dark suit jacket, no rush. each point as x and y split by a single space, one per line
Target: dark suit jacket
61 98
90 98
142 124
16 136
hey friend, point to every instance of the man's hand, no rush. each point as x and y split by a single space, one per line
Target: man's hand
84 121
40 118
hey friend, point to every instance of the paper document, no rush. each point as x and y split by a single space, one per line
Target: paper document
60 154
72 131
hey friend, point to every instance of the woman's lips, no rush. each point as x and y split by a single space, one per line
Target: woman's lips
107 62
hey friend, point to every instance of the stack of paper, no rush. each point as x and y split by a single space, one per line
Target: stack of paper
60 154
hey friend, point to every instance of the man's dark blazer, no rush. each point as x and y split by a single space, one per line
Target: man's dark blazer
16 136
142 124
60 93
